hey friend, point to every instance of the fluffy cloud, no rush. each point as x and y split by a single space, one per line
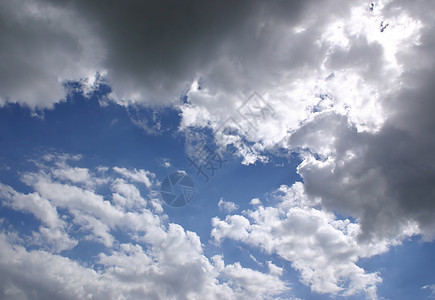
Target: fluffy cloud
136 175
128 272
324 249
42 46
374 178
381 177
146 54
249 283
358 115
46 275
52 232
161 260
227 206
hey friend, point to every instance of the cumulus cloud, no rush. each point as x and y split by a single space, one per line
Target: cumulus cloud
134 175
160 260
247 282
356 109
255 201
127 195
43 45
146 55
52 232
324 249
127 272
227 206
381 177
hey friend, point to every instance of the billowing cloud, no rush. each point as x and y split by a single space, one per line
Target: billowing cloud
136 175
227 206
360 120
324 249
151 51
52 232
160 260
44 45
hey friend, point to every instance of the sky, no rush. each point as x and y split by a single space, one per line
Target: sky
217 149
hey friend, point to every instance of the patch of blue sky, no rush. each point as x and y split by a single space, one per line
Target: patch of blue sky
405 269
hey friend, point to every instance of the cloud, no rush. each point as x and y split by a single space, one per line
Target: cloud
274 269
431 288
155 259
144 52
46 275
227 206
129 271
53 231
351 70
255 201
43 45
127 196
381 177
250 283
356 109
372 177
136 175
324 249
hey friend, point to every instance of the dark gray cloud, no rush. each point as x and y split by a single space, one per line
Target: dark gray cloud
159 48
152 51
390 182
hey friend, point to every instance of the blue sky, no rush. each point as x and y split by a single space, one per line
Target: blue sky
317 183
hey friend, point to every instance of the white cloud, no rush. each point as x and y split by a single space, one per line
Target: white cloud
274 269
52 233
227 206
56 239
161 261
431 288
73 174
134 175
325 250
127 195
46 276
255 201
129 271
248 283
255 259
32 203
